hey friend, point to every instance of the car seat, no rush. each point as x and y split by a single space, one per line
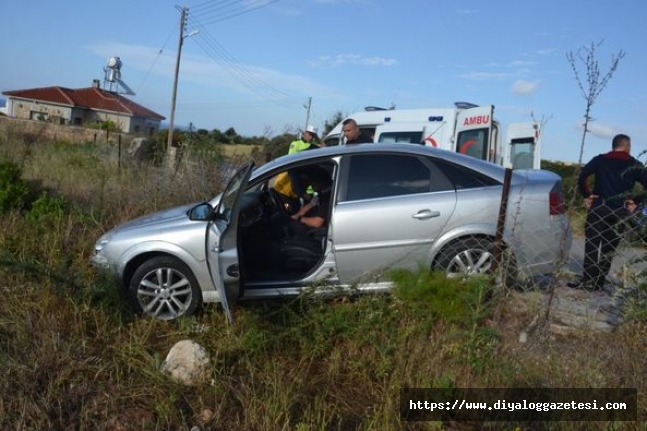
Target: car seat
300 253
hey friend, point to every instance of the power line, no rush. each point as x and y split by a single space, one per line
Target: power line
159 54
239 72
224 10
211 3
227 6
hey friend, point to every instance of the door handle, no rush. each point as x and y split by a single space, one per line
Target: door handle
425 214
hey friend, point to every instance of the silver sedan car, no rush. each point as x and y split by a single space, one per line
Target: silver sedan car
367 208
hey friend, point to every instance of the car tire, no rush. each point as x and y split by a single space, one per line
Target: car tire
472 256
164 288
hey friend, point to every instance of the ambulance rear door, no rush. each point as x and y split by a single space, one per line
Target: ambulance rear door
522 146
473 135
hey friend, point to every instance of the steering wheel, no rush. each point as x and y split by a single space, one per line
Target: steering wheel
277 202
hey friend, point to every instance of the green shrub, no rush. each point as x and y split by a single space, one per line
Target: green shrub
449 299
13 189
274 148
47 208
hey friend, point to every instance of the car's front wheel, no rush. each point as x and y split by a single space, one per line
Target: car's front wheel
467 257
164 288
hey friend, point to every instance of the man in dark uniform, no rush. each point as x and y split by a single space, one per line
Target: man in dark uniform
315 213
298 240
353 133
609 203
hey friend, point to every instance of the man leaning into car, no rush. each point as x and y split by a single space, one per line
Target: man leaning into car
314 213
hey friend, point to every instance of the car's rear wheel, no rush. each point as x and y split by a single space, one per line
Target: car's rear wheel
468 257
164 288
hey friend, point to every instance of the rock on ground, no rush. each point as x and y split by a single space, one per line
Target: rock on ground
187 363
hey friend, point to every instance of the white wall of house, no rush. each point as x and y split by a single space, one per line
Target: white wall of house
34 110
65 114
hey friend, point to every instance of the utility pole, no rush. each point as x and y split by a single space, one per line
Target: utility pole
169 145
308 112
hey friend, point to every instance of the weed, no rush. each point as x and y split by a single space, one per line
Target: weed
13 188
74 356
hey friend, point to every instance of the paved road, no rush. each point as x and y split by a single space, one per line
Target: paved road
628 260
573 309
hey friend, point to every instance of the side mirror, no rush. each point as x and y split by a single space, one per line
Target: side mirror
201 212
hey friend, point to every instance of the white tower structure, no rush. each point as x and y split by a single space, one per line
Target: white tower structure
112 78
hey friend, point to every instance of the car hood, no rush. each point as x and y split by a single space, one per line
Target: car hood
157 219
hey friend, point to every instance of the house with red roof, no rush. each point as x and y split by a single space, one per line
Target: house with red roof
82 106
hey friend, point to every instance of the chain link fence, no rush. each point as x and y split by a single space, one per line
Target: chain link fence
618 244
617 254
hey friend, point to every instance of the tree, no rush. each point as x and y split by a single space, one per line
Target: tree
592 85
330 123
231 134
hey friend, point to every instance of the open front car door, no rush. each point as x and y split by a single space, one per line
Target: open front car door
221 241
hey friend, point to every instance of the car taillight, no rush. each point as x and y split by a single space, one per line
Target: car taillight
556 200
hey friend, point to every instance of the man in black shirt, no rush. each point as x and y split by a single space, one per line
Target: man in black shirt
315 213
609 202
353 133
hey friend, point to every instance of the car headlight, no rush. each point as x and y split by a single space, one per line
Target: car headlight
98 246
98 258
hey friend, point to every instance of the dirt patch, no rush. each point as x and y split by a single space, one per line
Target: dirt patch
560 311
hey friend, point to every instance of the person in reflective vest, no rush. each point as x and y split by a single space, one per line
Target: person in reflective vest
306 142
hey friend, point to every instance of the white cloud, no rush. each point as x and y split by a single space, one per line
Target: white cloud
519 63
355 59
524 88
335 2
209 73
484 76
600 130
546 51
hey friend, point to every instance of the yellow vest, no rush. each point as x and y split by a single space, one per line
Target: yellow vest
297 146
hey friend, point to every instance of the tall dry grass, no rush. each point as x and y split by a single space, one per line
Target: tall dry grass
73 356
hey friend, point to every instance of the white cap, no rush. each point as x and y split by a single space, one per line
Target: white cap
311 129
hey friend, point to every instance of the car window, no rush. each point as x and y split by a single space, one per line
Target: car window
464 178
400 137
373 176
229 195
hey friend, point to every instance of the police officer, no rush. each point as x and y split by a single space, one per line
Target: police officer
306 142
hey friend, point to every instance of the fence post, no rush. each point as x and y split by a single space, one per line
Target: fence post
503 209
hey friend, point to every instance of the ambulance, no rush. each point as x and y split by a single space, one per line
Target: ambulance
466 128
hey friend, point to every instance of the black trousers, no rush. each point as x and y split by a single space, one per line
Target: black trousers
603 230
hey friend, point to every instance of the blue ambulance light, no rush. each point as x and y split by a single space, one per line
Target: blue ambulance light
387 119
439 118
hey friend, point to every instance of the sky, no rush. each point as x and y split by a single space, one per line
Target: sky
258 65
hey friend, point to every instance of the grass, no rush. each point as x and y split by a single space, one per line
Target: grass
240 150
73 356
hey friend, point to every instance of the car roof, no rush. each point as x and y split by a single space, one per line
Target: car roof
487 168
